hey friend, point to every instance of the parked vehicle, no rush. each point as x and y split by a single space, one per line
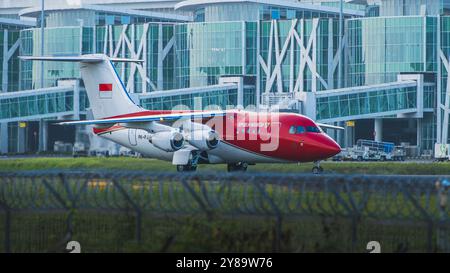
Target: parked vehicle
369 150
62 147
441 152
79 149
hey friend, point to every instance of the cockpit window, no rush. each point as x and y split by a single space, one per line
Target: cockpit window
300 129
296 130
292 130
313 129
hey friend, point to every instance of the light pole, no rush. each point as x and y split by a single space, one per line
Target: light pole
341 26
340 135
41 145
42 41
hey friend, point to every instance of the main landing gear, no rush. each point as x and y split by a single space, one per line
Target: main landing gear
192 163
237 167
186 168
317 169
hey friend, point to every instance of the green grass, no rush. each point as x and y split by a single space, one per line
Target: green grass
142 164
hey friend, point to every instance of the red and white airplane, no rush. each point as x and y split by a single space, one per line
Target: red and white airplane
188 138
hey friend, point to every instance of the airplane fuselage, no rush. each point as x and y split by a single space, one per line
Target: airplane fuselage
249 137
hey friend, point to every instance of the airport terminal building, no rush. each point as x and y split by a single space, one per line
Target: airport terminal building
382 75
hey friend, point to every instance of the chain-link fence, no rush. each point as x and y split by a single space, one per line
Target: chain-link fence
218 212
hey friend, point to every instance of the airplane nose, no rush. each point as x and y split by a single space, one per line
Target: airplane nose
332 148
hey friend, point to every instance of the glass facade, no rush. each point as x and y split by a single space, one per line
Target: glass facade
268 12
429 96
103 18
221 98
257 11
339 106
206 51
445 47
353 6
152 53
322 60
380 48
237 40
73 41
413 7
66 41
13 137
91 18
40 104
428 131
226 13
249 96
8 37
25 106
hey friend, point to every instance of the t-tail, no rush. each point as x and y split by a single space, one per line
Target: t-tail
107 94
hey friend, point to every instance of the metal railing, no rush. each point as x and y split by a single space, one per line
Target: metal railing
146 211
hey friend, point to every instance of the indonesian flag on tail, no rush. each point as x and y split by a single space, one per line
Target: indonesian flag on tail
105 90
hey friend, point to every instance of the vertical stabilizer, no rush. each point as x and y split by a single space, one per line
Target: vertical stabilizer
106 92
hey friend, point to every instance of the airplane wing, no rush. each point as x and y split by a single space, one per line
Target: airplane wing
326 126
147 118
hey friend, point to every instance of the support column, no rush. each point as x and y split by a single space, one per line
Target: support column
21 139
160 65
419 135
3 138
341 137
43 135
76 100
378 129
5 62
349 135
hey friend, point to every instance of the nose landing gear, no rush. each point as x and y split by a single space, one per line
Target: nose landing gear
237 167
317 169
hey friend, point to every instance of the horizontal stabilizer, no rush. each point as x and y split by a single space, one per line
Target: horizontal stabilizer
80 59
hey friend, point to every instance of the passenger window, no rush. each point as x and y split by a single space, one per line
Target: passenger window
300 129
292 130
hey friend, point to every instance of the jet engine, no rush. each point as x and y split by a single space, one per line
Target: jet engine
169 141
203 139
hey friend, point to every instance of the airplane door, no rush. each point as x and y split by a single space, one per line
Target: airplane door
132 137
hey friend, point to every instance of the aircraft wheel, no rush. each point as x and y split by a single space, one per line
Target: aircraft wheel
237 167
186 168
317 170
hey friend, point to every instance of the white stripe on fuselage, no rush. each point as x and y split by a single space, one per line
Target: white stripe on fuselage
223 153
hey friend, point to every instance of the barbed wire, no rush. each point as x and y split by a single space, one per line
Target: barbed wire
386 197
303 199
